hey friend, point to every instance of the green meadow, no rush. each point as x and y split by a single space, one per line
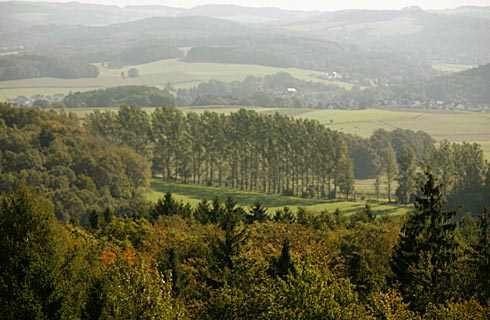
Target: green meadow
181 74
445 67
193 194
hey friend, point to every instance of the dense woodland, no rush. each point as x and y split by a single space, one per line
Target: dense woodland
350 61
79 172
13 67
113 97
467 89
129 259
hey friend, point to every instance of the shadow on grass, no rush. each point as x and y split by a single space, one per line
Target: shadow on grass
244 198
271 201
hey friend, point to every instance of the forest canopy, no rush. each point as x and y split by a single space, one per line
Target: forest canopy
14 67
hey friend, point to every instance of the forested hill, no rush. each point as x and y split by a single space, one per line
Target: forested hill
79 171
471 85
470 88
349 61
119 44
451 36
150 30
15 67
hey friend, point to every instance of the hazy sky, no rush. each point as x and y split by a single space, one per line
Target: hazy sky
305 4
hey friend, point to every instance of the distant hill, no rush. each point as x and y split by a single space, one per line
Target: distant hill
468 89
149 29
25 14
106 43
246 14
450 36
469 11
348 62
472 86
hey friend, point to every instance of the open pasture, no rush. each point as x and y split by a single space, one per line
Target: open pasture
195 193
181 74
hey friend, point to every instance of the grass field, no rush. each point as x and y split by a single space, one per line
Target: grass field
193 194
445 67
180 74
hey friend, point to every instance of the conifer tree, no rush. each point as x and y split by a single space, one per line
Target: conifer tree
427 248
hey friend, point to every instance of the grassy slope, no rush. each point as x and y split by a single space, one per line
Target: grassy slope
180 74
445 67
193 194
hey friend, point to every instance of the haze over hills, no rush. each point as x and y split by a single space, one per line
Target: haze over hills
364 48
25 14
456 35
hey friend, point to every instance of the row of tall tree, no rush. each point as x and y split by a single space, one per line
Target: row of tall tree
113 97
279 154
245 150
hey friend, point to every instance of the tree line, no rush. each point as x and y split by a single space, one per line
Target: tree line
168 259
14 67
246 150
113 97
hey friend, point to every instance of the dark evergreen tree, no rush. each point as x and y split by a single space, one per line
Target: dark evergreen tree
482 258
202 212
422 259
168 206
258 212
284 265
235 235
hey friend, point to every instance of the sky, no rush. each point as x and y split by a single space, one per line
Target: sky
324 5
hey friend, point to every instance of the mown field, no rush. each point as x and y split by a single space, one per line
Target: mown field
180 74
194 194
